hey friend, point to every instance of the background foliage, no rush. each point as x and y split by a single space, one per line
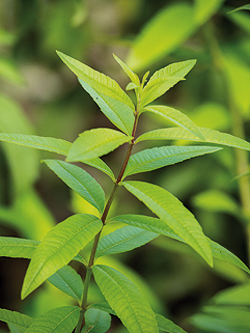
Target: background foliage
39 95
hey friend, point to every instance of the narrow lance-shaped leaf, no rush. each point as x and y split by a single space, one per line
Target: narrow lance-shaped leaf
126 300
100 165
95 143
80 181
164 79
172 211
54 145
59 247
57 320
167 325
68 281
133 77
96 321
124 239
115 103
158 157
17 247
210 136
17 319
159 226
175 116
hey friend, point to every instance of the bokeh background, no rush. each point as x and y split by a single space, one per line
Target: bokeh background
39 95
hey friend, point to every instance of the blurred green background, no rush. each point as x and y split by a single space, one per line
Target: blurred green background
39 95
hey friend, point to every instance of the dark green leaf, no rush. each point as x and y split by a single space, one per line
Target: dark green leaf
96 321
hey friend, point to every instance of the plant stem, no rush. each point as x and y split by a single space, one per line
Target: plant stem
103 219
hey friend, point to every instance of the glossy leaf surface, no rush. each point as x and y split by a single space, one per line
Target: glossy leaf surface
59 247
80 181
172 212
95 143
158 157
211 136
124 239
58 320
126 300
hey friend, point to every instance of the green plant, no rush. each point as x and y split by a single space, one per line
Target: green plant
80 236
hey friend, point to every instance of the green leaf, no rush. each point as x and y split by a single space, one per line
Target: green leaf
58 320
96 321
164 79
210 136
104 306
245 7
175 116
98 84
68 281
15 318
58 248
167 325
238 295
44 143
118 113
158 157
172 211
124 239
100 165
126 300
14 247
205 9
133 77
95 143
177 20
80 181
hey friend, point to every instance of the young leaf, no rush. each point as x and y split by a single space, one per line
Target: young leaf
68 281
58 320
124 239
133 77
210 136
58 248
17 319
53 145
110 92
104 306
245 7
167 325
126 300
95 143
80 181
159 226
118 113
100 165
172 211
177 117
14 247
164 79
96 321
158 157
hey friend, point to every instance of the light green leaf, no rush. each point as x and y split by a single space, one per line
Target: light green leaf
131 86
100 165
239 295
164 79
58 248
126 300
167 325
15 318
133 77
58 320
160 227
175 116
10 71
124 239
205 9
96 321
242 20
95 143
104 306
80 181
176 20
44 143
68 281
172 211
210 136
14 247
158 157
118 113
245 7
